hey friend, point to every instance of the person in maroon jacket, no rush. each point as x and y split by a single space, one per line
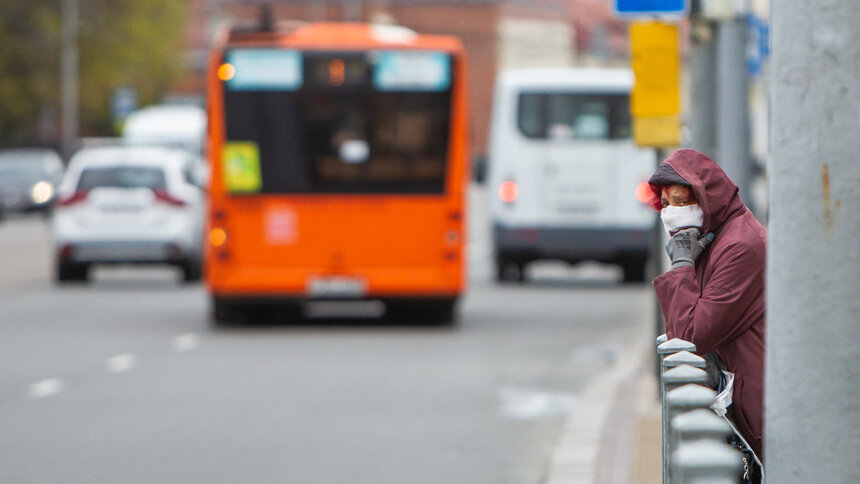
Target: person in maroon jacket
714 294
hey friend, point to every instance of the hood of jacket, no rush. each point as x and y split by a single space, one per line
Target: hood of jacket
715 192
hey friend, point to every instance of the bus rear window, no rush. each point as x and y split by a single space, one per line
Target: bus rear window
341 132
555 115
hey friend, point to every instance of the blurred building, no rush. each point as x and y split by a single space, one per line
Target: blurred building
497 34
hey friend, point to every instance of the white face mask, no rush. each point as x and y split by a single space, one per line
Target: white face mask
677 218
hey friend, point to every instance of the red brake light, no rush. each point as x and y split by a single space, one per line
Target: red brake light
163 196
72 199
509 191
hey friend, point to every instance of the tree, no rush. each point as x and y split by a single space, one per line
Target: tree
137 43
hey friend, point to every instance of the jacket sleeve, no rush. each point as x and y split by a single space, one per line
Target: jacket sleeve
709 316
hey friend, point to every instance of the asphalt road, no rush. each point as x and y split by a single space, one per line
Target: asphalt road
124 379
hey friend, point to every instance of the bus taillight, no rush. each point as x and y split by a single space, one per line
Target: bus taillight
218 237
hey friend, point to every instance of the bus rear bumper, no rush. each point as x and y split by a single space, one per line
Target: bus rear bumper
305 284
437 309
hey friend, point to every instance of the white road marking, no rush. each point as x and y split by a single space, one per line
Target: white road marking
186 342
46 388
121 363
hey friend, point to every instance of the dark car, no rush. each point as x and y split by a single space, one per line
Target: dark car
28 179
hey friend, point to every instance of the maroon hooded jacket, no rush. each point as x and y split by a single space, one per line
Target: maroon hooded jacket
719 304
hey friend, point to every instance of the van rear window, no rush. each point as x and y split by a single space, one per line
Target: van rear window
575 116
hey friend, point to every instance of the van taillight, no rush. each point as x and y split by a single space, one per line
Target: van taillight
644 193
72 199
163 196
509 191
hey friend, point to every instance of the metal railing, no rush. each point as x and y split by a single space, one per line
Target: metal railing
695 448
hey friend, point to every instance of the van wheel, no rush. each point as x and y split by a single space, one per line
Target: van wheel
71 271
634 269
191 271
510 271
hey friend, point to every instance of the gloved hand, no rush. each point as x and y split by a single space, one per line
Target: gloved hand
686 246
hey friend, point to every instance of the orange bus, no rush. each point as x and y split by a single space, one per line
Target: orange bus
338 157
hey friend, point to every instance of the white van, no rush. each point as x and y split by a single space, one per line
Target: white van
173 125
566 179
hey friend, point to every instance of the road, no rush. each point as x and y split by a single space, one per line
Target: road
125 380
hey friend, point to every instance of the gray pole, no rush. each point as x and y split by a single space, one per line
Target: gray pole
813 272
732 111
703 90
69 77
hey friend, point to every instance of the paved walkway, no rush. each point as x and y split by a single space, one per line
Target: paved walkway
619 443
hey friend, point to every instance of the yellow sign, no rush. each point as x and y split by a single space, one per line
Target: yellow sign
656 99
241 165
657 131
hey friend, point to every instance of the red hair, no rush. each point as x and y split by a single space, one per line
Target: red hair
654 202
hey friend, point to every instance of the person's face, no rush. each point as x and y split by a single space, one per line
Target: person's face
677 196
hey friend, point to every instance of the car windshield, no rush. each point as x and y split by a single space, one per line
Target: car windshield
122 177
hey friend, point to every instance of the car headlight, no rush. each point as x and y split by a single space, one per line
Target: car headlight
42 192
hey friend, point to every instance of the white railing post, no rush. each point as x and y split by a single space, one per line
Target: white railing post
682 399
700 424
706 461
667 348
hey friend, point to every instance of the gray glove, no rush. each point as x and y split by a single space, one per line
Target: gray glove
686 246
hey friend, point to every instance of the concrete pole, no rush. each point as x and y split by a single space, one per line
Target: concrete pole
812 418
733 140
703 89
69 77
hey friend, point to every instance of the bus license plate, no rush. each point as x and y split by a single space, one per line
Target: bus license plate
336 287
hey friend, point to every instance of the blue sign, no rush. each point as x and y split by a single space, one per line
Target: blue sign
758 44
403 70
650 7
264 70
123 102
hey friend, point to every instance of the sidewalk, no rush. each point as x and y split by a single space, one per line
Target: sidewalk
616 443
648 448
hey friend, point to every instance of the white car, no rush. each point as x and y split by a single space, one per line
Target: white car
120 205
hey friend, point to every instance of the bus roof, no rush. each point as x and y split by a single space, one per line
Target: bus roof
615 79
338 35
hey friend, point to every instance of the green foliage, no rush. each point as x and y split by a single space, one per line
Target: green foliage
136 43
